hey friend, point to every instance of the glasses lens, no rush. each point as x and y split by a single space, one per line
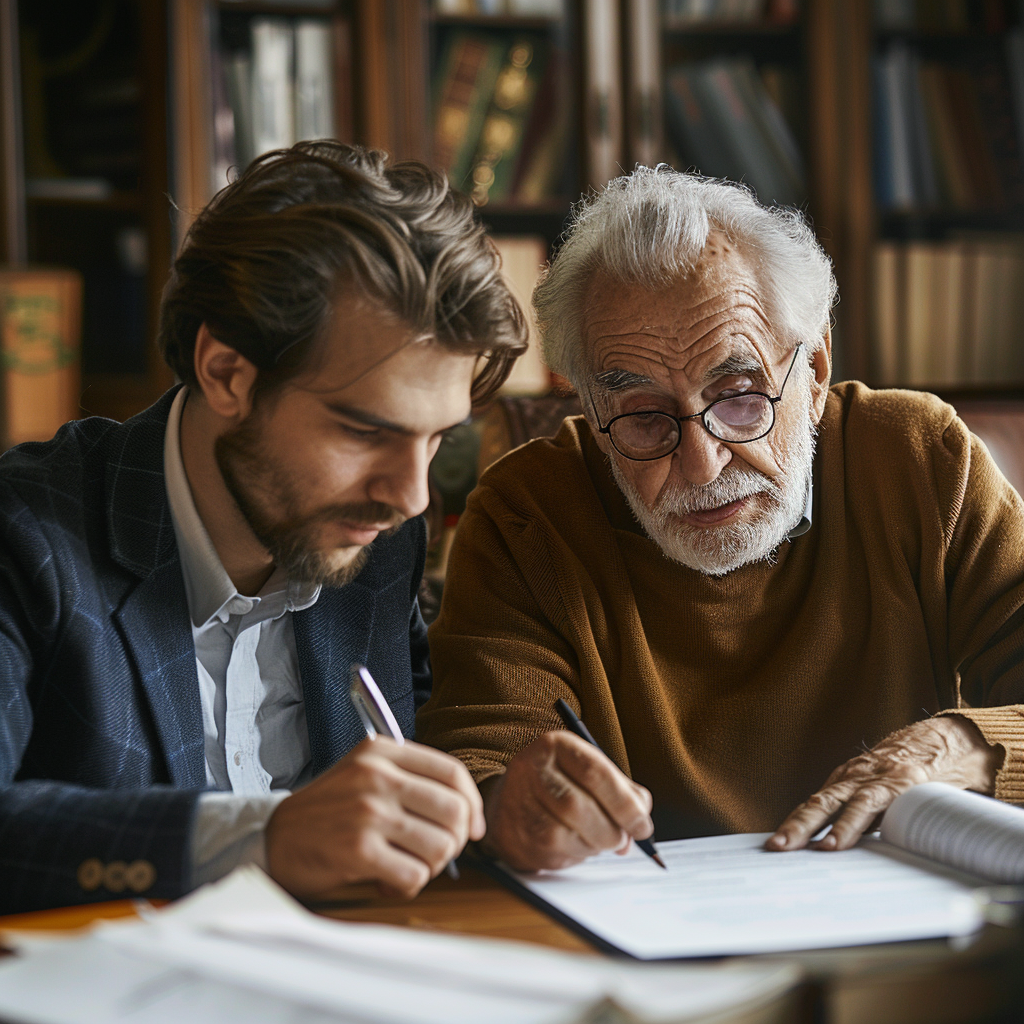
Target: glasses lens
644 435
740 418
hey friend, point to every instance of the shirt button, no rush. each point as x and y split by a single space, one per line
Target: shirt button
238 757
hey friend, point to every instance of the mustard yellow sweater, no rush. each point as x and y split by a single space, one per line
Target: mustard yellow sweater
733 698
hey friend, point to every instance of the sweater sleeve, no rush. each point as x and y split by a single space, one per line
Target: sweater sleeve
985 586
499 662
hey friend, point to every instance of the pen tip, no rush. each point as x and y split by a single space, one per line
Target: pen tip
657 860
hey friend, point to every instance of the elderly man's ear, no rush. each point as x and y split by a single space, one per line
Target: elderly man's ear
821 364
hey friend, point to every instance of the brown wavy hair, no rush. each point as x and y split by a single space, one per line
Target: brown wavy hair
264 263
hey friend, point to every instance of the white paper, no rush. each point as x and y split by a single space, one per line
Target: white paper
727 895
241 950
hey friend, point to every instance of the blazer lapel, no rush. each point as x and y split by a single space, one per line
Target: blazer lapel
329 637
155 626
153 619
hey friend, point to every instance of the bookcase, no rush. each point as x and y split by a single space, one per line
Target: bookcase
776 94
85 176
590 87
948 183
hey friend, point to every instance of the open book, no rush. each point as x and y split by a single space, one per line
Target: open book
727 895
964 830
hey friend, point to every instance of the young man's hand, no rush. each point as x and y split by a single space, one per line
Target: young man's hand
390 813
560 801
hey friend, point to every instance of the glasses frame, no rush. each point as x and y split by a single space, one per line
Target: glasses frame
702 416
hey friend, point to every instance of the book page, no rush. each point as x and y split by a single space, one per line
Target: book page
965 830
727 895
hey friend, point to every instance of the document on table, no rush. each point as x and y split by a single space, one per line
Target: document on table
726 895
242 951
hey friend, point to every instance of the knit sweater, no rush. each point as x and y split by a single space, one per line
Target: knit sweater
732 698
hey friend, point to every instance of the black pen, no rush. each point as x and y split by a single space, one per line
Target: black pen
573 724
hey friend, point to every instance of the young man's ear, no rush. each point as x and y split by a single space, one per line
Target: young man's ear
821 364
226 378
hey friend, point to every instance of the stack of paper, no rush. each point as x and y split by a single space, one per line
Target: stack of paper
242 950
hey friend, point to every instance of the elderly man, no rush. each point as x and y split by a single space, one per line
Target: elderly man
739 576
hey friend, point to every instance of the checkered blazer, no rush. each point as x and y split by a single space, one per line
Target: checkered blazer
101 738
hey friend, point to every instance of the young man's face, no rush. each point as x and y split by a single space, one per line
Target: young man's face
340 454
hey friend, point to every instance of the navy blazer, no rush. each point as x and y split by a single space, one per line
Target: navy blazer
101 739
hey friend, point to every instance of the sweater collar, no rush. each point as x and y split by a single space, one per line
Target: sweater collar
805 520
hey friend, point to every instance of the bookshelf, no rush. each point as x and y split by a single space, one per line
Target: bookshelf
770 93
948 175
600 72
84 175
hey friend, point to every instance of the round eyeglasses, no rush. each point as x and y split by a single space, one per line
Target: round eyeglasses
737 419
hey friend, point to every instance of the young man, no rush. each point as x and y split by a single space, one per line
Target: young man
182 595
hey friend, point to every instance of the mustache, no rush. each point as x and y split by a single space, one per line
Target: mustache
368 514
733 484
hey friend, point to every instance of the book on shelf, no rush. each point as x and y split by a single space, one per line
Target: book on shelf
522 259
723 122
41 322
948 134
643 101
602 102
463 87
272 85
501 115
502 134
947 314
314 80
542 160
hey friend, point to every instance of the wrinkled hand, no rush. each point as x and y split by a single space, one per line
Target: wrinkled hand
390 813
943 749
560 801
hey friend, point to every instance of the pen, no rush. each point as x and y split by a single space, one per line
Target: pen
378 719
573 724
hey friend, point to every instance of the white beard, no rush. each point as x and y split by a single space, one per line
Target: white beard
716 550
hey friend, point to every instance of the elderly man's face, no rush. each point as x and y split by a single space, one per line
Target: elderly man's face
711 505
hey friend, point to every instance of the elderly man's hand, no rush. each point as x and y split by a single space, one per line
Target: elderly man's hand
560 801
944 749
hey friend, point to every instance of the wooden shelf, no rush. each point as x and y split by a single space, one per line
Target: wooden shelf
130 202
936 224
770 29
503 22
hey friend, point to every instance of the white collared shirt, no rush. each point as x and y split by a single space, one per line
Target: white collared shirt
254 717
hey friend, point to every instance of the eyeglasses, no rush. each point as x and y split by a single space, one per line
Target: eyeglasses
738 419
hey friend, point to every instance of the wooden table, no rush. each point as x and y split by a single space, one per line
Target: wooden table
934 982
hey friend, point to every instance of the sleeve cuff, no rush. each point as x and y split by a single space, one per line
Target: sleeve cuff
1005 726
229 830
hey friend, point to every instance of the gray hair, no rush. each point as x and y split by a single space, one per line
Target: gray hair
650 227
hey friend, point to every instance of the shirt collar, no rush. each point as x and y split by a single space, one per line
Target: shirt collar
805 520
208 588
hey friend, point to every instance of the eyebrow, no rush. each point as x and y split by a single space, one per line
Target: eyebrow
369 419
621 380
734 366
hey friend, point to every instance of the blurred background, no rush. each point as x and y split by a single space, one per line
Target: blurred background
898 126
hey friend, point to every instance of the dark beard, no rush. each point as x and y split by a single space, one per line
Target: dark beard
291 541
